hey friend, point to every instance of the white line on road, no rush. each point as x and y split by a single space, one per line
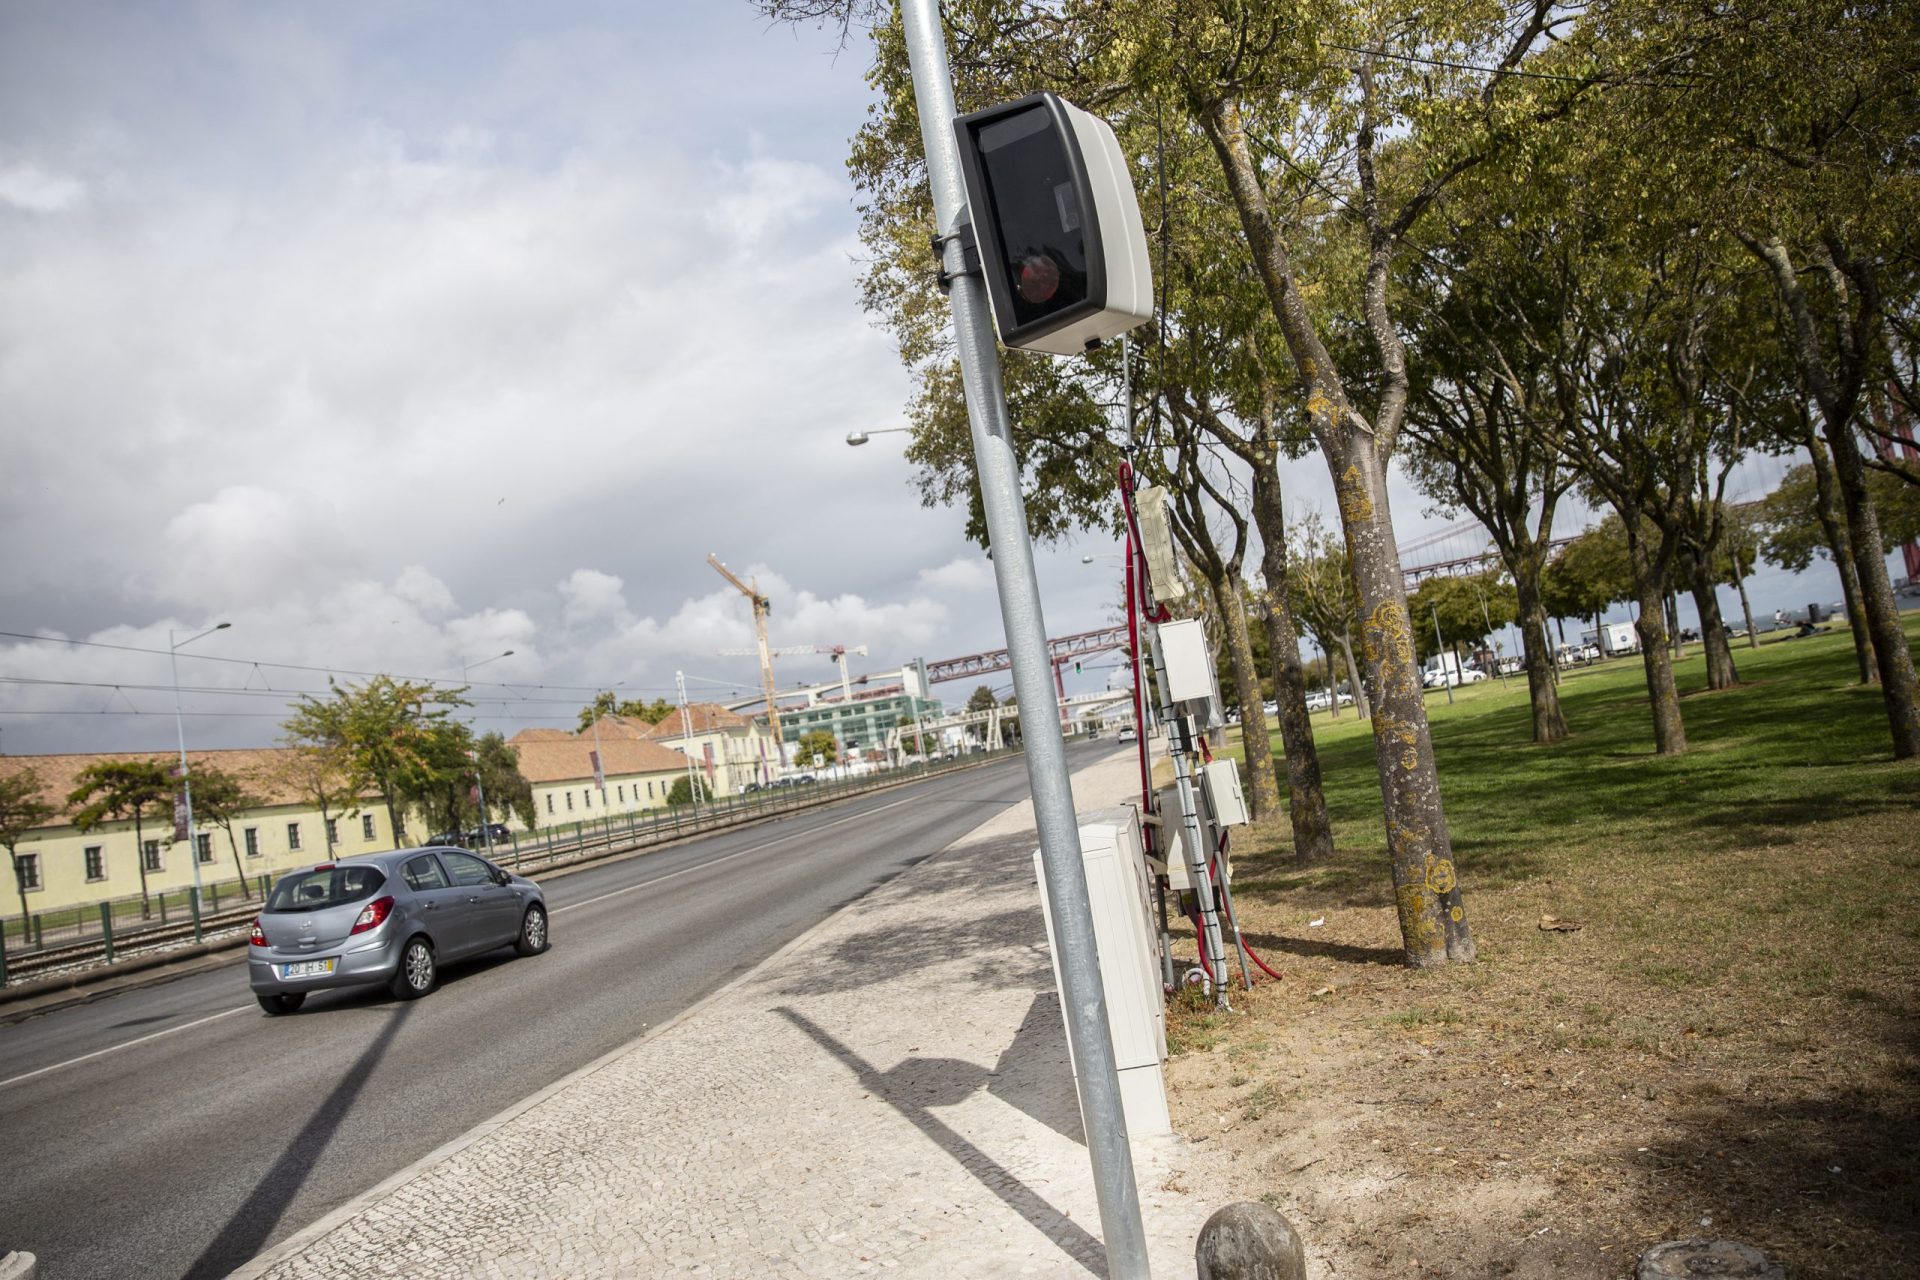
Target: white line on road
115 1048
186 1026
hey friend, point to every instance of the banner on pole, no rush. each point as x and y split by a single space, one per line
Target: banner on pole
599 777
179 805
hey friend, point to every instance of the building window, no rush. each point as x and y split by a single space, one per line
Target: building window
252 835
29 871
333 832
293 836
96 862
366 826
586 797
549 802
621 791
569 802
150 855
649 791
203 846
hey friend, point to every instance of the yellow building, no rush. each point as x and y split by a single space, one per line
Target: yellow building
730 749
62 866
637 775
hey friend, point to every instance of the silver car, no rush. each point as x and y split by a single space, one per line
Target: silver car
391 918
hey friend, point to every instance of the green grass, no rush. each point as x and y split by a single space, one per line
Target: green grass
1799 744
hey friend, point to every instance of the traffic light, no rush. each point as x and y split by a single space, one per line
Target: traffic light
1057 225
1076 666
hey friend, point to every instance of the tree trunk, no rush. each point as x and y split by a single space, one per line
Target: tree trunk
1746 607
20 887
1898 683
1433 921
238 870
1362 700
1263 796
1721 673
1828 509
1669 732
1306 801
140 861
1549 721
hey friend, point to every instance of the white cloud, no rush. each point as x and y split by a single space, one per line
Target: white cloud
962 573
32 189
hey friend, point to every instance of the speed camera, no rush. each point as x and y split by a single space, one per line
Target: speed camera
1056 223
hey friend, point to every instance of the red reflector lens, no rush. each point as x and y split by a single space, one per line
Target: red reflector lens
257 938
1039 279
372 916
326 866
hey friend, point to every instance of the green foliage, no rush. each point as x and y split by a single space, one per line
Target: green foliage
1590 573
508 790
981 699
817 743
1788 520
606 703
116 790
397 737
21 811
682 791
1469 609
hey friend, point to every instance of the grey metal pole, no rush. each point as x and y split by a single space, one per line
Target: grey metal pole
686 731
1082 998
479 783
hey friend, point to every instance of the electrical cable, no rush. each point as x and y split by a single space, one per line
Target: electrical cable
1219 871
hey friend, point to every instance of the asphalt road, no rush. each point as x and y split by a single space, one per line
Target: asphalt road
178 1131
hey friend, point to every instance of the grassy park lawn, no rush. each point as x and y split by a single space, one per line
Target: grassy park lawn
1728 1046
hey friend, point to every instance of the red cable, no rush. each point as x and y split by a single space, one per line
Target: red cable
1214 868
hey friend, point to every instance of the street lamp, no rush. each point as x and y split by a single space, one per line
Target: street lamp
186 783
479 783
600 768
858 438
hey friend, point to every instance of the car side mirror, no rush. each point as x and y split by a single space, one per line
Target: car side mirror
502 876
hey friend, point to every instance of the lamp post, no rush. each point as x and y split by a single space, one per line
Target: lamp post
479 783
858 438
186 783
599 761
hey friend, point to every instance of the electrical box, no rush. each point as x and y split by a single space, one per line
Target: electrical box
1225 799
1124 939
1058 227
1172 840
1184 662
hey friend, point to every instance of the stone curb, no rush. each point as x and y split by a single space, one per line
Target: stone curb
18 1266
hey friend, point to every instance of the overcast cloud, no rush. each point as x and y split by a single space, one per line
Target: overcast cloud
402 335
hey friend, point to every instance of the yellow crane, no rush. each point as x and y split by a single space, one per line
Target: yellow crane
760 609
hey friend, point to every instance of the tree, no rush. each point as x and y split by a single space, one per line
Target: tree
21 811
117 790
817 743
682 792
390 733
1323 599
507 788
1468 609
219 797
981 699
605 704
1590 574
317 772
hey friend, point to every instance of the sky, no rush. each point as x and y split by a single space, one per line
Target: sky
400 335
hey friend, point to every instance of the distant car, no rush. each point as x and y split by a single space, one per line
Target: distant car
1128 734
1272 708
387 919
496 831
448 839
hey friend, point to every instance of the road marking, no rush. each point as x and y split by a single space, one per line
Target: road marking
201 1022
759 848
128 1044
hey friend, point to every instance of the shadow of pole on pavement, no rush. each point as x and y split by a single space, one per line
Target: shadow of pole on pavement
1070 1236
247 1230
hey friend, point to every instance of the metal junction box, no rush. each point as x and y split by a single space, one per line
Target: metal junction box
1185 665
1225 799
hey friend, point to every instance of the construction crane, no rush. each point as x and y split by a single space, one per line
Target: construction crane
761 606
838 652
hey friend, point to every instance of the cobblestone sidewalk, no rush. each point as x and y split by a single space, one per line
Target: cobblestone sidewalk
890 1094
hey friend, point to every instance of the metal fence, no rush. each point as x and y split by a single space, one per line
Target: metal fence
95 931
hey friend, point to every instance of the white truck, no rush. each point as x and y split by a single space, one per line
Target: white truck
1444 669
1614 638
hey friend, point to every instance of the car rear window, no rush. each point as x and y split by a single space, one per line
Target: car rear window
319 889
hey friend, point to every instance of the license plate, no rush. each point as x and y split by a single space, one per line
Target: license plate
306 968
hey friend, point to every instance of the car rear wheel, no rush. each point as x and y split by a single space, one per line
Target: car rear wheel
417 971
282 1002
533 932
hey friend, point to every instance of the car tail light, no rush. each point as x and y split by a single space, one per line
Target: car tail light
257 937
373 915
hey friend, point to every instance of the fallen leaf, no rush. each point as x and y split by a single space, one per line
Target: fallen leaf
1555 924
